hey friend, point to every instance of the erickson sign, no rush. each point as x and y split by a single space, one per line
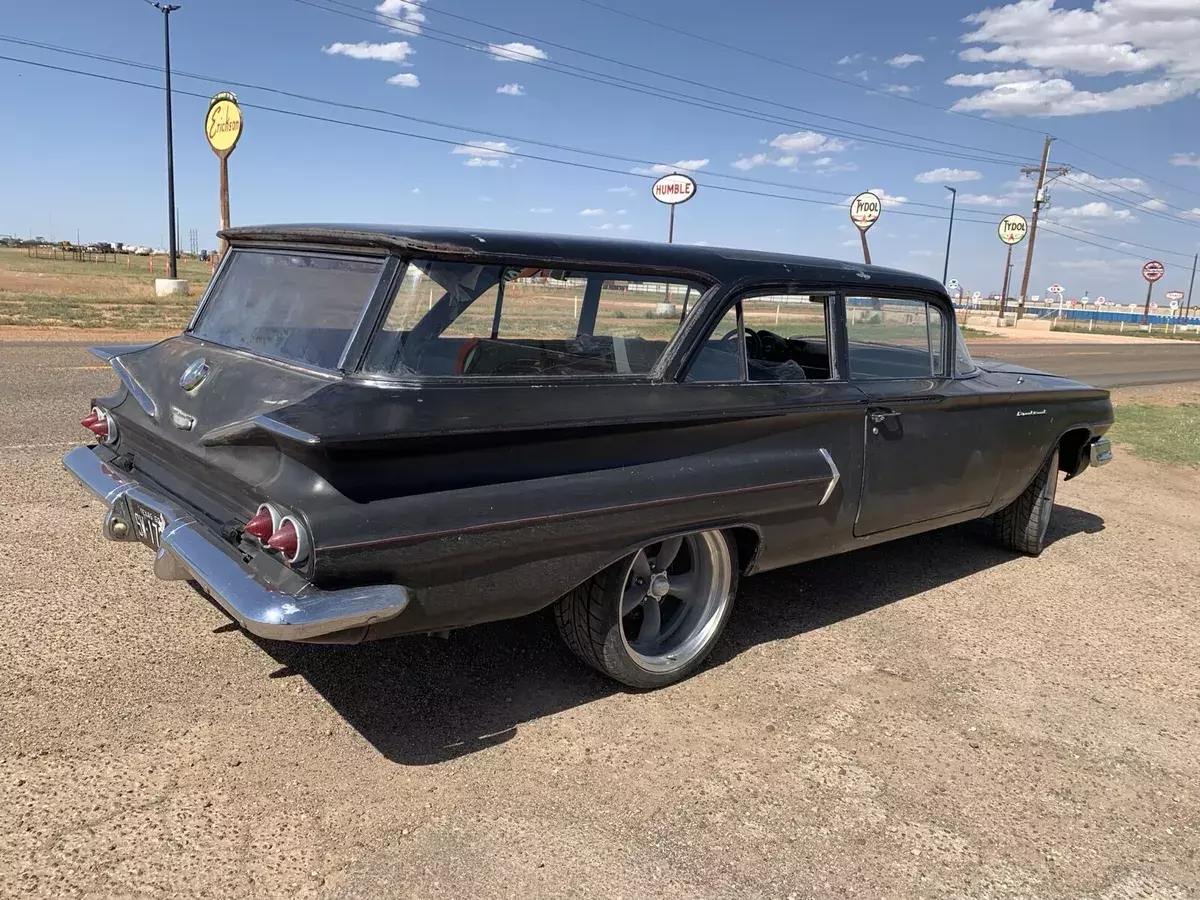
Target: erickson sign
223 124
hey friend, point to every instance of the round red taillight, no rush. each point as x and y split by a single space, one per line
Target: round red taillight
291 540
101 424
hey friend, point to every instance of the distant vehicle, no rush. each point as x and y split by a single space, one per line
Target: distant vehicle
358 453
141 251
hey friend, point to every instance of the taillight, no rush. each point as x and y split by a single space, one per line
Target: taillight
291 540
101 424
262 525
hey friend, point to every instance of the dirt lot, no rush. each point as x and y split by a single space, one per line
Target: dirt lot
931 718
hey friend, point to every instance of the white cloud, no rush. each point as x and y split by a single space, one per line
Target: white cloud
623 189
620 212
1096 210
591 212
512 90
988 200
606 226
541 210
847 60
488 149
902 89
405 79
864 75
827 165
515 51
416 190
789 146
940 176
991 79
1193 213
1185 159
1082 180
476 162
404 16
884 197
624 226
393 51
1154 43
904 60
1153 205
687 165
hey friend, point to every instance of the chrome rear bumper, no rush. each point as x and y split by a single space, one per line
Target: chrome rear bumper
1101 451
190 551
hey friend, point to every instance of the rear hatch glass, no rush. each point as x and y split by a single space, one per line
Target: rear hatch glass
297 307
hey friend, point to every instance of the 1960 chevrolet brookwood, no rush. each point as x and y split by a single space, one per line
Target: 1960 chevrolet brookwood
366 432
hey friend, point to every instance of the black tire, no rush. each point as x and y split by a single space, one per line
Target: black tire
1021 526
590 621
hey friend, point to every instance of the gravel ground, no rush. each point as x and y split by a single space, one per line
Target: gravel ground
931 718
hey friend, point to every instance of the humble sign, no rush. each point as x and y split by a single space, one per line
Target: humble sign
674 189
1153 270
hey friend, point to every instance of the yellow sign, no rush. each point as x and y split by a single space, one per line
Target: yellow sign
223 125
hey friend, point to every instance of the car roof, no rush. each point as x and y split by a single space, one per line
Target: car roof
720 264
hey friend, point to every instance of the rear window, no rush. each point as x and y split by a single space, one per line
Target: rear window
464 319
299 307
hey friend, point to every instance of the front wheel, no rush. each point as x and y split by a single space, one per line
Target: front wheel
652 618
1021 526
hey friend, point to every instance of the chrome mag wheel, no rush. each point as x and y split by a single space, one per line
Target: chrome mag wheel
673 603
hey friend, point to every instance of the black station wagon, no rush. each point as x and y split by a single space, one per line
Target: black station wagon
367 432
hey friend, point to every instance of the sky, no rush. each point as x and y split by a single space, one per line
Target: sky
781 112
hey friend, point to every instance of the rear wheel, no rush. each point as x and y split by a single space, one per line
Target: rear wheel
1021 526
652 619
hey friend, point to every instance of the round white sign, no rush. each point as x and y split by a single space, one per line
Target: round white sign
1153 270
672 189
952 284
1012 229
1174 304
865 209
1054 289
976 295
1133 307
1100 300
1034 299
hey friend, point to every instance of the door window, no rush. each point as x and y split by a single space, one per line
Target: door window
894 338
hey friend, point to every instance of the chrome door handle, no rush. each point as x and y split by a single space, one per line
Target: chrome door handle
879 417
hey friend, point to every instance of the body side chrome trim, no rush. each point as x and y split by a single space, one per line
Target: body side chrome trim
191 551
834 476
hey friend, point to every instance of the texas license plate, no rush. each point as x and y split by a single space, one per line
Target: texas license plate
147 524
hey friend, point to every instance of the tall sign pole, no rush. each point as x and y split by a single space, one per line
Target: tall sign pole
1039 200
1188 308
222 129
1012 231
864 212
672 190
173 249
1151 271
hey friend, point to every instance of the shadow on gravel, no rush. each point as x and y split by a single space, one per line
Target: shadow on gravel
423 700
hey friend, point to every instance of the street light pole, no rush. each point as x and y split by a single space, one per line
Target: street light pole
950 231
172 249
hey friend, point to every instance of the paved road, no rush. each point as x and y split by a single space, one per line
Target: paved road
1104 365
929 718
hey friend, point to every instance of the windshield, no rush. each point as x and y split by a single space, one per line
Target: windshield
299 307
456 318
963 363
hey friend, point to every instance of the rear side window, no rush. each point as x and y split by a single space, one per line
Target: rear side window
464 319
298 307
894 338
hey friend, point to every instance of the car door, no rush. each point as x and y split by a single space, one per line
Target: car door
932 442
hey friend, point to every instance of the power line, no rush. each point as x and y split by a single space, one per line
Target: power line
520 155
435 123
1120 201
1129 168
672 95
1126 189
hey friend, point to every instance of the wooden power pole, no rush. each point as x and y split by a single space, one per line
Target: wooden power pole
1039 199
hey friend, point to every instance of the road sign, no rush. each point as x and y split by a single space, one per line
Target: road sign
674 189
1054 289
1012 229
1174 295
1100 301
1154 306
1034 299
953 284
1153 270
865 209
1174 305
1133 307
976 295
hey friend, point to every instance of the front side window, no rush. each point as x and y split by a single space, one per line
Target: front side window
894 338
782 336
457 318
299 307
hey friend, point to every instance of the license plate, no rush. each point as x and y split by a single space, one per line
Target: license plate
147 524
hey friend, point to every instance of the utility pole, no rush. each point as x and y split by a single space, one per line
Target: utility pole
1188 308
173 249
949 232
1039 199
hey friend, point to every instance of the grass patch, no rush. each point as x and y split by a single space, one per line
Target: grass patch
973 333
1171 332
1168 434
